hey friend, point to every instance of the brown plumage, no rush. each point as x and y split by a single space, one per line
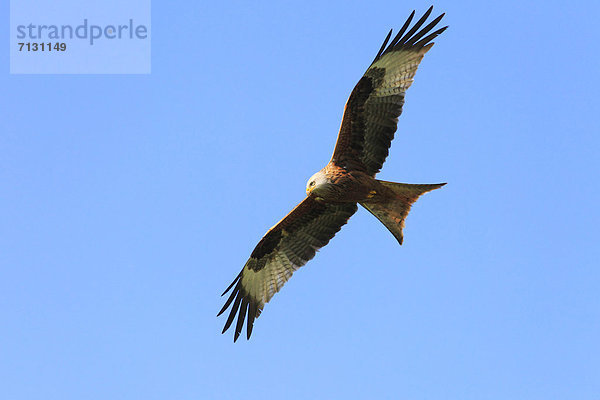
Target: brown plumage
366 133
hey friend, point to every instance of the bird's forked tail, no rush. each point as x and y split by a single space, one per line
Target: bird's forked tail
393 212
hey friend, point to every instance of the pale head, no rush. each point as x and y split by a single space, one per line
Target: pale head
316 182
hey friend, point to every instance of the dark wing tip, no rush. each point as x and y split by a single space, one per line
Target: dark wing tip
428 39
414 38
383 45
242 305
240 319
252 314
237 278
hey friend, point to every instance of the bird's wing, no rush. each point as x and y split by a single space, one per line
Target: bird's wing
284 248
372 110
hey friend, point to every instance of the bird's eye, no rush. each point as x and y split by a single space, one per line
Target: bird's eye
312 184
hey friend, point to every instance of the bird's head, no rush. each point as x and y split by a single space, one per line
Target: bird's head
317 184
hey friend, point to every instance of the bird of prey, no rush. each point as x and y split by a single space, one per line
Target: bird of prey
368 126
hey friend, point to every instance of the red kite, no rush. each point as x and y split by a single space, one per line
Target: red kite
366 133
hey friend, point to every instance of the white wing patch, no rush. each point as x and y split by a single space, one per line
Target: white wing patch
263 284
400 68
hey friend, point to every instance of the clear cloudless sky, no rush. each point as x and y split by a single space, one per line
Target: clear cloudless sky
129 202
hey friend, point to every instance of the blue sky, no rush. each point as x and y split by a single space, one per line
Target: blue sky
129 203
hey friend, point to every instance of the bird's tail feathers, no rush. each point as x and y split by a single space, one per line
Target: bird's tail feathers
393 212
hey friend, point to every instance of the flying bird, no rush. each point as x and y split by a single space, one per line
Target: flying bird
332 194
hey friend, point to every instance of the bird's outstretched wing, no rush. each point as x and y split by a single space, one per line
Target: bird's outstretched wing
285 248
372 110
